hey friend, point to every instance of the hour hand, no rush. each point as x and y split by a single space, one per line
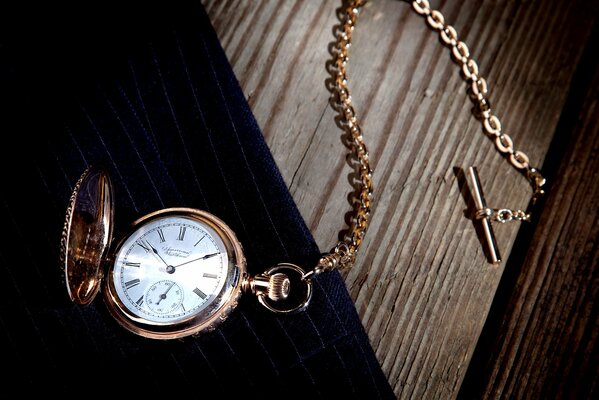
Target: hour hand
148 244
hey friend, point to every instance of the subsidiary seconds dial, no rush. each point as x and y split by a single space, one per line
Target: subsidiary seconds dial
164 297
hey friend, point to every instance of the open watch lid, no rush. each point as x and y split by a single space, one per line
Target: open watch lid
87 234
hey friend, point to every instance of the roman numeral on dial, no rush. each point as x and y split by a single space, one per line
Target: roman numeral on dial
200 294
131 283
140 301
198 242
182 230
161 235
144 246
132 264
211 276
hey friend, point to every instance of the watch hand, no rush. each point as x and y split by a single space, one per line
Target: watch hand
157 254
163 295
198 259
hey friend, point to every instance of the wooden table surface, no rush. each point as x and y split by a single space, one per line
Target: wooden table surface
444 322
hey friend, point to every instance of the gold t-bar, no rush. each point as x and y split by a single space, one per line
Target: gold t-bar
484 214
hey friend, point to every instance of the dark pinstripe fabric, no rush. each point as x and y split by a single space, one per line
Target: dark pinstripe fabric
154 100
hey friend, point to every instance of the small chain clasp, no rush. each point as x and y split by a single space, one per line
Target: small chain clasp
537 182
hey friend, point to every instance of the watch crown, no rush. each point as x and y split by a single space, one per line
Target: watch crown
278 287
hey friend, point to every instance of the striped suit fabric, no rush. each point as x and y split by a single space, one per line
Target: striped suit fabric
153 100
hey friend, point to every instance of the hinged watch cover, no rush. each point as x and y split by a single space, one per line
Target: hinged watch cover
87 234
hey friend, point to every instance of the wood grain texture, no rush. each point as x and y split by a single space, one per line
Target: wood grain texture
421 285
545 341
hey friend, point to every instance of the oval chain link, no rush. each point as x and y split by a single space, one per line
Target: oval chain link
344 253
479 92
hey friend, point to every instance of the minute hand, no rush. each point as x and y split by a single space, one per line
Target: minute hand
197 259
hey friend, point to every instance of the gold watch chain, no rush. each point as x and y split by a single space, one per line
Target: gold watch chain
344 253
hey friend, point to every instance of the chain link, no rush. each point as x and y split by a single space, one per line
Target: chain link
503 215
480 94
344 254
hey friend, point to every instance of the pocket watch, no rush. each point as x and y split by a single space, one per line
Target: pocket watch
175 272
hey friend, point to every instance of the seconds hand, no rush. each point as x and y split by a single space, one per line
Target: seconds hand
163 295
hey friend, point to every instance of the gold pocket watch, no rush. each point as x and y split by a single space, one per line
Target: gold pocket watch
175 272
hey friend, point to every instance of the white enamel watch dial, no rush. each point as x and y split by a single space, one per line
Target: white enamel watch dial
169 268
177 272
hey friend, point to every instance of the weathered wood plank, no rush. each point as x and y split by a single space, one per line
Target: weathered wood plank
422 285
545 340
